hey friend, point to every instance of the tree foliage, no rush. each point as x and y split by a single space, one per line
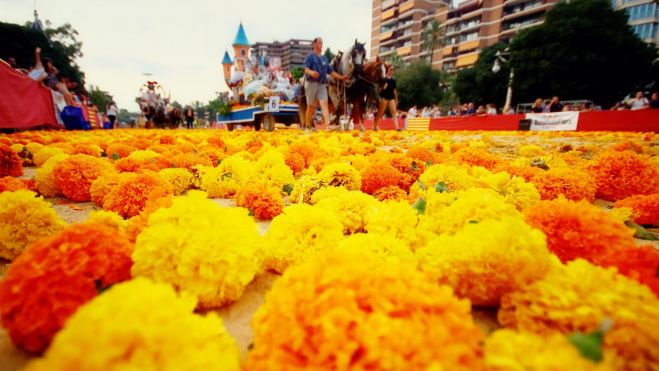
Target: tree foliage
479 84
297 73
99 97
329 55
418 84
62 47
433 38
395 60
583 50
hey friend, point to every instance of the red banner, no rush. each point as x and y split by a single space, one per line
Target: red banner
24 103
642 120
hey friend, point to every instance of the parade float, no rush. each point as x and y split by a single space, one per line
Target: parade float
153 104
262 93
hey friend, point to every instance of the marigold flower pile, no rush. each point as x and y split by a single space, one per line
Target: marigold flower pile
379 245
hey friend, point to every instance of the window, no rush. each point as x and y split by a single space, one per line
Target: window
643 11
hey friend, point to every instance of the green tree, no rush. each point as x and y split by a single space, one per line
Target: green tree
19 41
297 73
418 84
584 50
176 104
99 97
396 61
479 84
329 55
433 38
124 116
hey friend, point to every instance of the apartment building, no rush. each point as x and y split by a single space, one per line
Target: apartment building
643 17
291 52
397 25
469 27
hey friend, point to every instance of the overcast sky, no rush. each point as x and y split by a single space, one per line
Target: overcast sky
182 42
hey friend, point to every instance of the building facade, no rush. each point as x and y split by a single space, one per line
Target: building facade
291 52
643 17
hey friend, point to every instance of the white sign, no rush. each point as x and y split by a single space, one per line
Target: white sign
273 104
557 121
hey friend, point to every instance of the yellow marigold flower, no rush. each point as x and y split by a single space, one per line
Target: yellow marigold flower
486 260
452 178
531 150
350 207
304 188
471 206
578 297
144 155
107 218
357 311
341 175
515 190
138 325
200 247
272 166
34 147
180 179
41 156
45 178
396 219
25 218
509 350
384 246
327 192
299 233
224 180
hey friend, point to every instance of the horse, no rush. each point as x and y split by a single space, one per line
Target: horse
174 118
347 64
364 89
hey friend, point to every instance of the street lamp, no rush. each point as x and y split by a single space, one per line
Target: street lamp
500 58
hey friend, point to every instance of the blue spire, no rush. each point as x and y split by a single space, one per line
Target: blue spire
241 38
226 59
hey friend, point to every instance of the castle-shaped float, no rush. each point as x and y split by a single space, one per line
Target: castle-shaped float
249 76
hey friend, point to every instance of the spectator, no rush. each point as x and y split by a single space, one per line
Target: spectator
189 117
545 106
555 105
53 81
453 111
412 112
481 110
491 109
567 108
111 110
11 61
511 111
537 106
38 73
471 109
587 107
654 100
639 102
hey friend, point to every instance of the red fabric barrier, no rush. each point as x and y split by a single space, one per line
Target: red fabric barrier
384 124
24 103
641 120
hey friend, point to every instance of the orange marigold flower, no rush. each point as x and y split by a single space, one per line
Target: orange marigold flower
390 193
409 167
475 157
379 175
578 229
102 185
356 310
56 275
75 174
424 153
645 208
86 149
129 197
562 181
639 263
9 183
263 201
10 163
628 146
526 172
304 149
118 150
623 174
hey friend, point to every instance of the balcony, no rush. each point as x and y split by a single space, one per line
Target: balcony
406 6
469 45
405 50
466 60
524 9
388 4
388 14
386 35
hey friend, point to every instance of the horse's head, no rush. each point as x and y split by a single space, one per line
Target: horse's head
358 55
335 64
376 71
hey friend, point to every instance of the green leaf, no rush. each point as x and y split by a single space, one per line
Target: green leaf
115 156
441 187
640 232
99 287
415 167
473 222
420 205
422 186
589 345
428 163
287 188
226 176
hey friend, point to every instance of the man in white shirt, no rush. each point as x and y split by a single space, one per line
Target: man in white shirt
639 102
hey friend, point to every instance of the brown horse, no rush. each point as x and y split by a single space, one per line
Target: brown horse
364 89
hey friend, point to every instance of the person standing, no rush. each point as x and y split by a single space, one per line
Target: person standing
111 111
537 106
316 71
189 117
639 102
654 100
388 99
555 105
